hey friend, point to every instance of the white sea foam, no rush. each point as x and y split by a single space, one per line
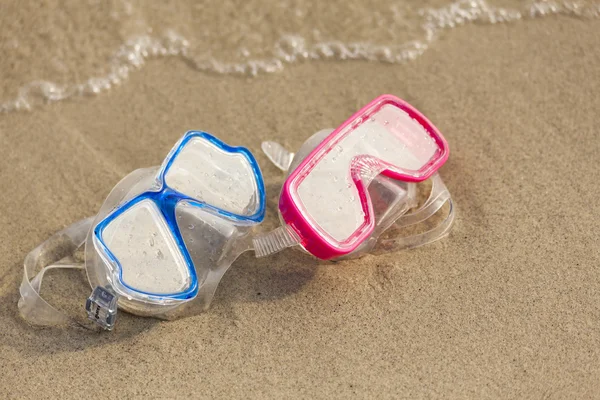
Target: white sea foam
135 52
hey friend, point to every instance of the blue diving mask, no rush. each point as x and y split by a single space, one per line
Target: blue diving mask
163 238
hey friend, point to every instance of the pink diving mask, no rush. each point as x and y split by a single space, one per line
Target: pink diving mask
348 185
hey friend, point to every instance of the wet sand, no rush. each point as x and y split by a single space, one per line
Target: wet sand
508 306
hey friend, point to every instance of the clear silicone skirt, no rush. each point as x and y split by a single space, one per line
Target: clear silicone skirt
163 238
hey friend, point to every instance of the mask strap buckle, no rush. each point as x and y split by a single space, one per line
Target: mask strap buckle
101 307
278 155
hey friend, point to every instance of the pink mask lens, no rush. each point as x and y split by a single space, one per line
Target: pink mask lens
325 199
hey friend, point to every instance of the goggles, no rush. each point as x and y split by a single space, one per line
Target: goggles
163 238
349 185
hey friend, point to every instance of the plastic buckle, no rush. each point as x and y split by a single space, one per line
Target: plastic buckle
101 307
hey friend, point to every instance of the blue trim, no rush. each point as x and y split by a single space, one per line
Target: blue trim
166 200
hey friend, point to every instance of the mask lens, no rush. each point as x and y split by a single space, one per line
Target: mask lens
208 173
141 241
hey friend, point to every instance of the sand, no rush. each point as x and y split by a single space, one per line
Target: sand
508 306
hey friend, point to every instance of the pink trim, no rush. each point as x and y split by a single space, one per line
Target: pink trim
319 243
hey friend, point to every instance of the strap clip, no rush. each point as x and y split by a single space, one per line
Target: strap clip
101 307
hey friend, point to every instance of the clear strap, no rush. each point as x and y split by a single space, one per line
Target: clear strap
275 241
438 197
278 155
46 257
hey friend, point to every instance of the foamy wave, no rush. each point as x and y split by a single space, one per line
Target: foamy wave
290 49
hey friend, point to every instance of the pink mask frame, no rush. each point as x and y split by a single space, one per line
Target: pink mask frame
317 241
